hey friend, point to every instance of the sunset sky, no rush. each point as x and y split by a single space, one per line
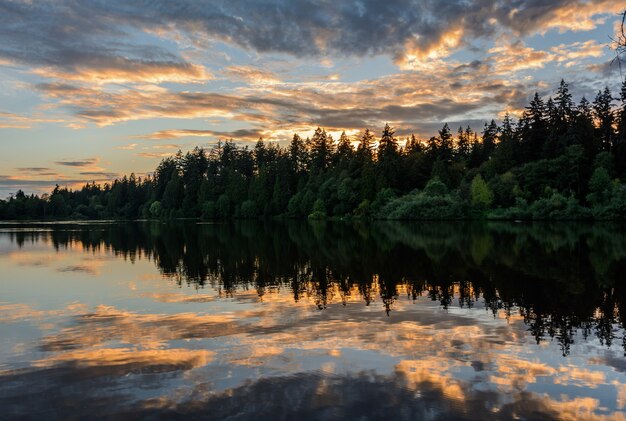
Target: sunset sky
93 89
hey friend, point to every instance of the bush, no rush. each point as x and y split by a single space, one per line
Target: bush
423 206
156 209
319 210
558 206
435 188
249 209
363 210
614 207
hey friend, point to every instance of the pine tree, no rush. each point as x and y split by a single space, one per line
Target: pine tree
320 150
564 107
604 118
463 145
365 147
345 151
445 145
505 153
413 145
534 129
388 145
297 154
388 158
490 136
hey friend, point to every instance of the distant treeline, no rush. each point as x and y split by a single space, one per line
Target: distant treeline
559 161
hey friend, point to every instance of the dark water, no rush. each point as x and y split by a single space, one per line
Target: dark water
312 321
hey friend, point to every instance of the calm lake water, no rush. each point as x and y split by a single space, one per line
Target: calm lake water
312 321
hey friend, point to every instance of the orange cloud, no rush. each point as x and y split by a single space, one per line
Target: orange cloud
251 74
123 70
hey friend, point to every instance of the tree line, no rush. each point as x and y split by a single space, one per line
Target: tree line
559 160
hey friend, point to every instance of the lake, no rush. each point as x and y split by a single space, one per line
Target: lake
298 320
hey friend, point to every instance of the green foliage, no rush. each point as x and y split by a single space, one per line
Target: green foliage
249 209
434 203
600 187
435 188
558 207
480 193
319 210
156 209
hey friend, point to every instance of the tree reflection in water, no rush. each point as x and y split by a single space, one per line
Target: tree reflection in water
563 279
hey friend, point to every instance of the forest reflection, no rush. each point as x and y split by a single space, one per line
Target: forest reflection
563 279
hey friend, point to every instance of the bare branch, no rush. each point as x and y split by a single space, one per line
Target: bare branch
619 43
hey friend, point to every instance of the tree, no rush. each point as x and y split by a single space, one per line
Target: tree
174 191
463 145
507 149
481 194
156 209
345 151
445 145
603 114
388 145
320 150
490 137
366 144
534 129
564 107
297 154
599 186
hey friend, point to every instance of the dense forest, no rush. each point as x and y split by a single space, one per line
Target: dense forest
558 161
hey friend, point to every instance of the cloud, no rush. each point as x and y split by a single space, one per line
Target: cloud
406 99
160 41
241 134
72 41
40 171
100 174
154 154
87 162
19 121
251 74
122 70
515 57
117 41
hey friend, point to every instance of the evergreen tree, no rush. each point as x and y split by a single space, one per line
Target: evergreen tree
534 129
445 146
365 147
345 151
463 145
565 110
320 150
490 137
388 157
297 154
604 117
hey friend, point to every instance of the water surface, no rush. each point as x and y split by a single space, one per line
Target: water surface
312 321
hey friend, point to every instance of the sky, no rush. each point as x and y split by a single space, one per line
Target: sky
94 89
